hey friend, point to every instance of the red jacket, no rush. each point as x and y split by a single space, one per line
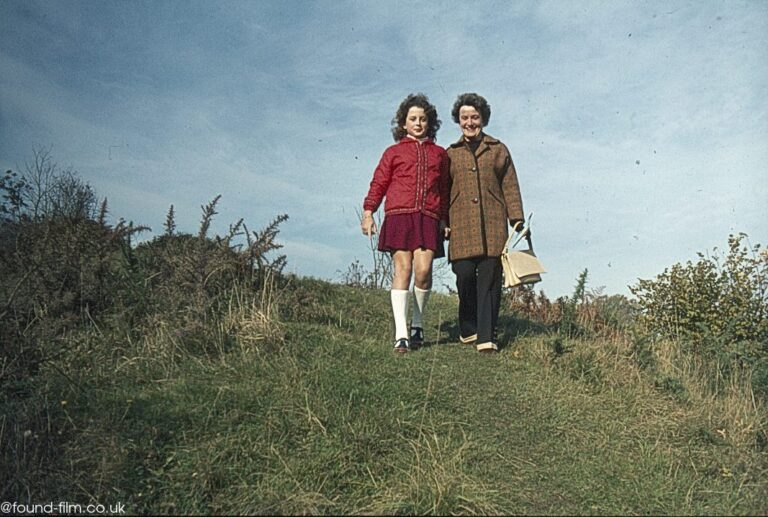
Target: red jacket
414 177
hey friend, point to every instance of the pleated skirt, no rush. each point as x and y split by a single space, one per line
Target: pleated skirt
411 232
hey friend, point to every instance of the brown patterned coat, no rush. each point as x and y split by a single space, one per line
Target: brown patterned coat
485 196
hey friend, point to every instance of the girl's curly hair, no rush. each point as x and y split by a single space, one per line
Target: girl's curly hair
476 101
418 100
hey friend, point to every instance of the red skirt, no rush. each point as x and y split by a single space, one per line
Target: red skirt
411 232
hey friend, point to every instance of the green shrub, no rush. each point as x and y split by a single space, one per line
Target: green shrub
569 325
671 386
615 312
586 367
58 258
716 306
64 266
716 295
642 351
78 301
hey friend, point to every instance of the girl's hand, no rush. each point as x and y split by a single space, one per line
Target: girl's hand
368 225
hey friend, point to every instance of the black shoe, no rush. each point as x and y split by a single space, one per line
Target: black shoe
402 345
417 337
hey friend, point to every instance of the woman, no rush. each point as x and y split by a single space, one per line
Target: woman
485 196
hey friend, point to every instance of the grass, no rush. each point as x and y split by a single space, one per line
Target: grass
321 417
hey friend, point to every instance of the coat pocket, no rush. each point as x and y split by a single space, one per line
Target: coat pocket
497 198
454 197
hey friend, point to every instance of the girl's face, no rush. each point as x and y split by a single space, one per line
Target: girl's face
470 122
416 122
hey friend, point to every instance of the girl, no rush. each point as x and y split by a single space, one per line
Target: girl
413 176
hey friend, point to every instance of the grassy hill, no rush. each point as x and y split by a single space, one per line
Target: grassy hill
188 375
302 407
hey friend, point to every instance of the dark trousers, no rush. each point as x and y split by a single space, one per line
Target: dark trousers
478 281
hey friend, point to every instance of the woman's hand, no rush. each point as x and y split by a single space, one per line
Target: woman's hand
445 230
515 222
368 225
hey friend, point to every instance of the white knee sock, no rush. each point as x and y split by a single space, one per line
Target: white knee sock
399 308
421 296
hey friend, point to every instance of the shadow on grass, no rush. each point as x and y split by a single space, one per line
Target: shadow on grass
509 329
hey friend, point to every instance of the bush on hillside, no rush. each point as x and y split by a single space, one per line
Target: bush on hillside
57 255
717 295
43 191
181 271
718 306
64 266
79 300
525 301
586 311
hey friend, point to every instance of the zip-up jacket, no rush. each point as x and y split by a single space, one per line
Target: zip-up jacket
413 177
485 197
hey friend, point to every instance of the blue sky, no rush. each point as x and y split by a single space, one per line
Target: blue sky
639 129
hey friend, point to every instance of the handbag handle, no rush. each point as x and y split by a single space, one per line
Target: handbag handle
523 232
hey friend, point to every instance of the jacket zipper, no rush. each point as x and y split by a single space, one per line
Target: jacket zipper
480 201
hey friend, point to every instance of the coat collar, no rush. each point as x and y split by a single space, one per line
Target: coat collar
486 142
487 139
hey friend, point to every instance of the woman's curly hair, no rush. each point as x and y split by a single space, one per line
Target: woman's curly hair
476 101
418 100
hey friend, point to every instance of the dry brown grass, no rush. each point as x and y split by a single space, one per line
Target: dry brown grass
252 320
727 406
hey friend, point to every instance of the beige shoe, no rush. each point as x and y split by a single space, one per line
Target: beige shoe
487 347
468 340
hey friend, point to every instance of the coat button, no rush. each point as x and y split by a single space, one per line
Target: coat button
474 169
475 200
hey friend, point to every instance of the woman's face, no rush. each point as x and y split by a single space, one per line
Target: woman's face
416 122
470 122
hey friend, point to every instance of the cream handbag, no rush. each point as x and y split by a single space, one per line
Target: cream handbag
520 266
